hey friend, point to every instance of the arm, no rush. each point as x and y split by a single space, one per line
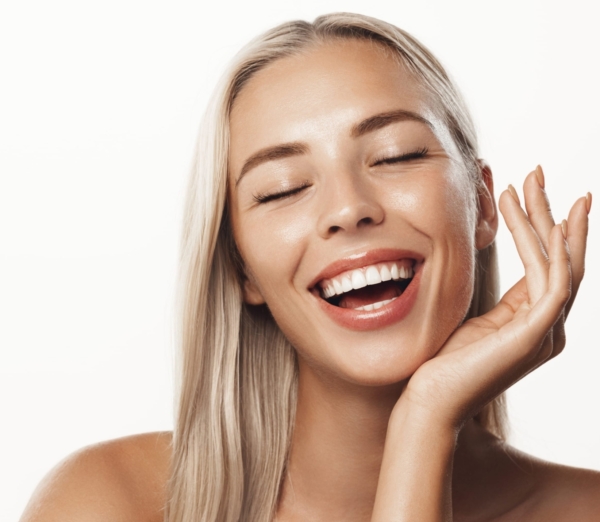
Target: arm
416 471
482 358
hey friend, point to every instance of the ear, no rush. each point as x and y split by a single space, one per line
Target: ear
487 221
251 293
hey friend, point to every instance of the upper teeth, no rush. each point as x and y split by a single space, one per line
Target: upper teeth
368 275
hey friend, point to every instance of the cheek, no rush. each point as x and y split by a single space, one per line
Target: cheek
452 220
272 247
440 207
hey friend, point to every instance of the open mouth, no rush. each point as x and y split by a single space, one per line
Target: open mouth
370 287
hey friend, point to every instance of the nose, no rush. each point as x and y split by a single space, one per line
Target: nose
349 205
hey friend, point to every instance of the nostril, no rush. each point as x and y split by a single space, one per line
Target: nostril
365 221
350 217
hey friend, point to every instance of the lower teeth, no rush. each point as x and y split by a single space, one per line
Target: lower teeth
375 306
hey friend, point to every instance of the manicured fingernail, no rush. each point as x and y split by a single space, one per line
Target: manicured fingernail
514 194
539 174
588 202
564 228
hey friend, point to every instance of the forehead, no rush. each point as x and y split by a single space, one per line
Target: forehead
322 90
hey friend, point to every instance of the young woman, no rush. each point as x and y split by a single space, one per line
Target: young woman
344 352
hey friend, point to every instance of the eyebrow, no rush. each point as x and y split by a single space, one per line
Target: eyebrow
284 150
383 119
367 125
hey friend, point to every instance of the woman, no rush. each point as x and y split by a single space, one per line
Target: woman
344 355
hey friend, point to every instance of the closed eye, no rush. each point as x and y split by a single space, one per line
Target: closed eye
417 154
261 197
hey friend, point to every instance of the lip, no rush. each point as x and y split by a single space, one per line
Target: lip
362 320
363 259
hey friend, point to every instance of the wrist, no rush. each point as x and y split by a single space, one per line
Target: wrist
415 479
411 416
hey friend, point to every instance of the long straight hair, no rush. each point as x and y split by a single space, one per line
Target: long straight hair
238 374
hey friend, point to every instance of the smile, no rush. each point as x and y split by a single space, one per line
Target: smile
368 288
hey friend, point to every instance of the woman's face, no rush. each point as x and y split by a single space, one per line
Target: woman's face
342 176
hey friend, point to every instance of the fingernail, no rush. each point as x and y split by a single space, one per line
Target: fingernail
564 228
514 194
539 174
588 202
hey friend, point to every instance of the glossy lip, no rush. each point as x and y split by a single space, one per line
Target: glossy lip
362 320
362 260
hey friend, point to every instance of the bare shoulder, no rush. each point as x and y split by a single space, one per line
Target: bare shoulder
561 493
118 480
568 493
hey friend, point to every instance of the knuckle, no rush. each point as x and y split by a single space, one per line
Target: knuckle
563 294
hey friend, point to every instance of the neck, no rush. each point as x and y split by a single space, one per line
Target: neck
337 449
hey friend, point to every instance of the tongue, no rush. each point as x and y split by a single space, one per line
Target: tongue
370 294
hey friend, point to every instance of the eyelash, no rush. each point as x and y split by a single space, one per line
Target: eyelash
261 197
265 198
417 154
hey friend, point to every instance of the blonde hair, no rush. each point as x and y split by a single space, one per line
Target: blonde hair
238 385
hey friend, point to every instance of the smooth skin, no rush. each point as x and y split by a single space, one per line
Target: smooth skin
384 428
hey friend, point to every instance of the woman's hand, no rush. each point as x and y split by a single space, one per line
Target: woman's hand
482 358
488 354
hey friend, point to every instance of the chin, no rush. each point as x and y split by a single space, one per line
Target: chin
372 364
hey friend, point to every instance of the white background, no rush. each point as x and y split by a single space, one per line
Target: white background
99 106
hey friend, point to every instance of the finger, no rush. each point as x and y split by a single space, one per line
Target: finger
528 245
524 343
538 206
553 344
508 305
533 337
549 308
559 339
577 240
